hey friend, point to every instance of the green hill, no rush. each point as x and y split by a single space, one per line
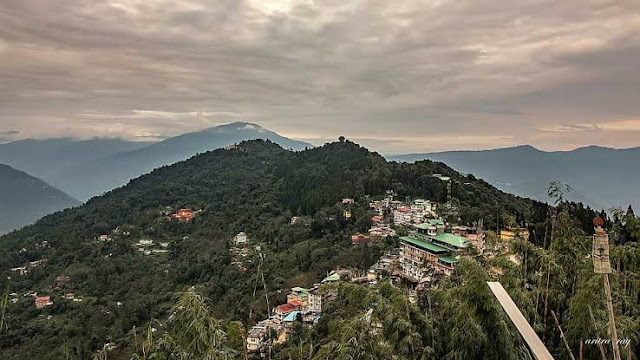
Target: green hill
256 188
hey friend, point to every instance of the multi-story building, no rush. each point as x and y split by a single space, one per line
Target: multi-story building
430 247
472 234
258 335
403 216
315 302
299 296
416 254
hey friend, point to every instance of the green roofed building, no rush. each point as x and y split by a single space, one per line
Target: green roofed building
437 250
333 277
449 241
430 227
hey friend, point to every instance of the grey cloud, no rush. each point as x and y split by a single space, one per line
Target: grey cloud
367 69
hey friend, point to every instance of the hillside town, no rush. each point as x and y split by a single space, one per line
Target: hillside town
425 247
430 249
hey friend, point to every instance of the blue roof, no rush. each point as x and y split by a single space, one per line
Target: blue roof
292 316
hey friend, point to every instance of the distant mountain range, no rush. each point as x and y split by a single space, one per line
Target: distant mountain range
600 177
48 157
88 168
25 199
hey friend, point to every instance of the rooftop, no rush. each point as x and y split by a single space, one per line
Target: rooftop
448 259
292 316
450 239
423 244
430 223
333 277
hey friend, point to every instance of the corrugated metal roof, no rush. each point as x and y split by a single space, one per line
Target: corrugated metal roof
423 244
450 239
448 259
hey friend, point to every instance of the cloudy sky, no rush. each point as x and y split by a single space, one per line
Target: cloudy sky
398 76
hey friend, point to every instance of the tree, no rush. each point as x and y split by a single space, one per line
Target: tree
193 333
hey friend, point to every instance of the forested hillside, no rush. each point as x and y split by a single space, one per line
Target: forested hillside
256 188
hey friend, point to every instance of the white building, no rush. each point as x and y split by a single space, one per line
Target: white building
241 238
315 302
402 216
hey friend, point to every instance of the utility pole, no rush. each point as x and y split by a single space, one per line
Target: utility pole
602 265
497 219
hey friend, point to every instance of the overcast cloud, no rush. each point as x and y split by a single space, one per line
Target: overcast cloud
399 76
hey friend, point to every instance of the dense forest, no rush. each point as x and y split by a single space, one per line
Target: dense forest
256 188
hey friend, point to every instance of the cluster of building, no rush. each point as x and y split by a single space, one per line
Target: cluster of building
429 249
303 305
118 231
149 247
417 212
379 230
47 301
24 270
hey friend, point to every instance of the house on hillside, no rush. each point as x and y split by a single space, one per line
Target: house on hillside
240 239
283 310
104 238
358 238
43 301
258 335
184 215
22 270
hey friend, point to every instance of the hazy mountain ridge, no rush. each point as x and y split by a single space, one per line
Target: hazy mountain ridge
599 176
24 199
83 172
43 158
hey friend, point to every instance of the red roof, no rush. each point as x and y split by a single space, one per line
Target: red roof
285 308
